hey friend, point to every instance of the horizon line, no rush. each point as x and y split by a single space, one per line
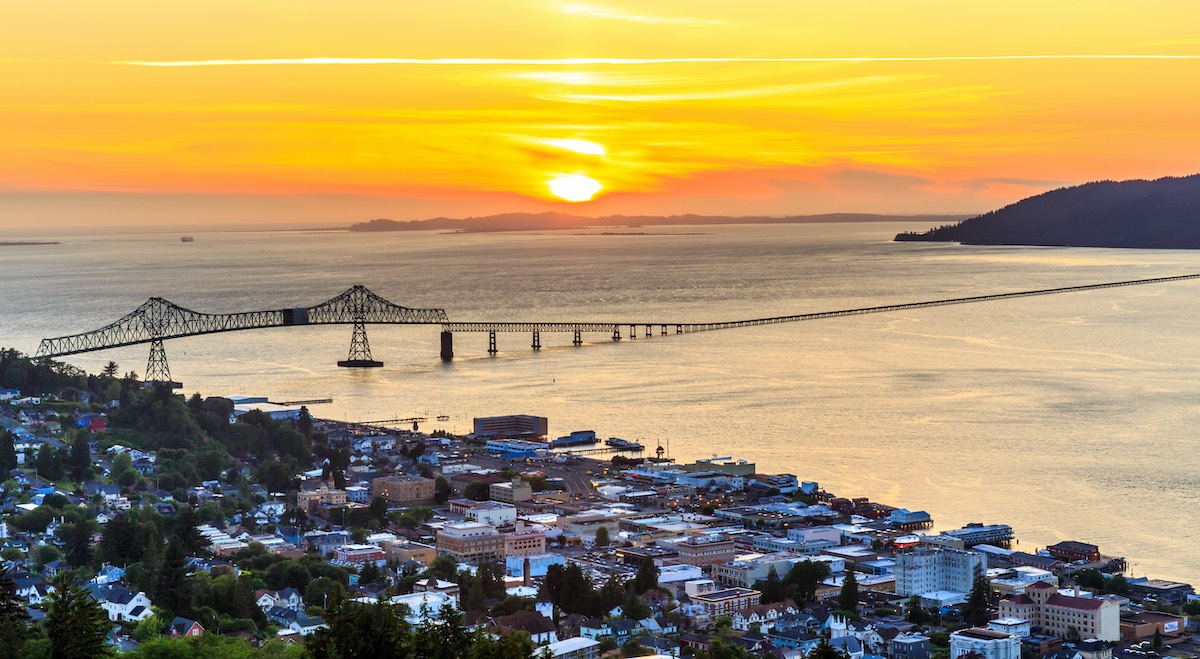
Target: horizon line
622 61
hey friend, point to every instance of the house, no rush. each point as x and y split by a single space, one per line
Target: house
108 574
574 648
33 590
620 629
540 628
760 616
184 627
124 605
304 625
288 598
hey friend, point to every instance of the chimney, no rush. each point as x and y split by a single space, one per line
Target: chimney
527 570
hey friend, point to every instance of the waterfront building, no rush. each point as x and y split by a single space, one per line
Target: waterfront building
987 643
402 488
470 542
512 425
1071 550
515 449
1170 592
511 491
973 534
1053 612
924 570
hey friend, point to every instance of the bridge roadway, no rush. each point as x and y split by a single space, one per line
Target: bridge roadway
158 320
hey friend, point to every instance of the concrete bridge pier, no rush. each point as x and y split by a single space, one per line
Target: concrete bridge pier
447 345
664 330
578 340
492 342
616 332
537 340
633 331
648 331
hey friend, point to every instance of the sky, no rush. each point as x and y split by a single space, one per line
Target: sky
295 112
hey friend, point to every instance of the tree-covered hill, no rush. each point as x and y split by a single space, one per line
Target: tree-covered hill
1160 214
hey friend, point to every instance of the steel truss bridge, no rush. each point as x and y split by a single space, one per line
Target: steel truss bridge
158 320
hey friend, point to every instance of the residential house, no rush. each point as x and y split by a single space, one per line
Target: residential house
124 605
184 627
540 628
762 616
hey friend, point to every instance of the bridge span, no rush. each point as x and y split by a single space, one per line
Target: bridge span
158 320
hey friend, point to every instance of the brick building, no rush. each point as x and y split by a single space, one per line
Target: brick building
401 488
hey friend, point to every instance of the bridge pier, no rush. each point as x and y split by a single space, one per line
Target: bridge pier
633 332
664 330
157 370
679 329
578 340
537 340
616 332
360 349
492 342
447 345
648 331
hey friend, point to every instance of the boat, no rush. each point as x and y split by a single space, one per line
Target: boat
624 444
575 438
186 239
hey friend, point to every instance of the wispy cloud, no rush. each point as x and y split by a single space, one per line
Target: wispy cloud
725 94
596 11
622 61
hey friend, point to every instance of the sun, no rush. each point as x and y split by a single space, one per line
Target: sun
574 187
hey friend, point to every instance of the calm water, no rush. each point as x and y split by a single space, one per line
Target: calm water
1069 417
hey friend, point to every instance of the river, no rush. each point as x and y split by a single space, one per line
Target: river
1070 416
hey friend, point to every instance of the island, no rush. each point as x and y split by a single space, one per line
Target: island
1158 214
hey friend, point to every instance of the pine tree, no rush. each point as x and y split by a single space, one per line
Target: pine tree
602 538
75 623
975 612
8 454
12 617
173 590
185 531
646 578
848 598
81 458
771 588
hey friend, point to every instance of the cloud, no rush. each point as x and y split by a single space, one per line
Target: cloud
619 61
596 11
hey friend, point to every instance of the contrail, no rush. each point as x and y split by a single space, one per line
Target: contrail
625 61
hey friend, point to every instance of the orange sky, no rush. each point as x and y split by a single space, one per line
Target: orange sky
131 111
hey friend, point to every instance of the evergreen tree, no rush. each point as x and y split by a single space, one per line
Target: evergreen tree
75 623
79 542
441 490
771 588
369 573
173 590
646 578
975 612
81 458
361 631
825 650
49 464
12 617
185 532
848 598
305 423
602 538
8 454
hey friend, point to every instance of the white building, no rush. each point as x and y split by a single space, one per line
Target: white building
926 570
988 643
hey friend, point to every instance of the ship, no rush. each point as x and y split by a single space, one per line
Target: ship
186 239
624 444
575 438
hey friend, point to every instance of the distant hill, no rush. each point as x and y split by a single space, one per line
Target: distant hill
553 220
1161 214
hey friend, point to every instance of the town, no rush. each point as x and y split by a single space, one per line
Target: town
137 521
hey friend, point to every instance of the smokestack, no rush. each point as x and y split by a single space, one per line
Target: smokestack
527 570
